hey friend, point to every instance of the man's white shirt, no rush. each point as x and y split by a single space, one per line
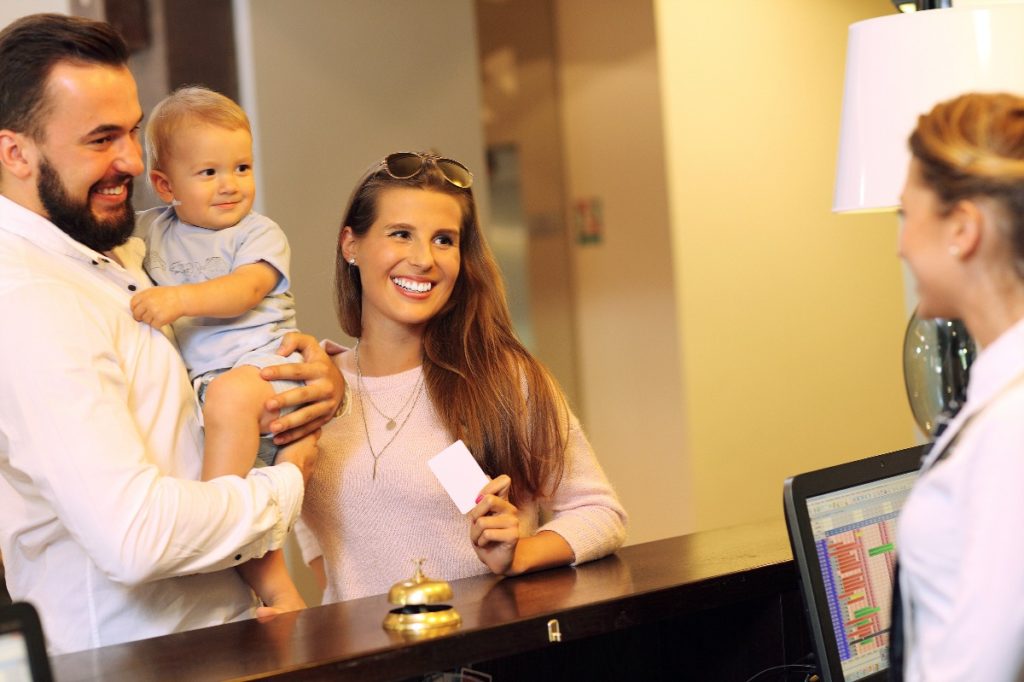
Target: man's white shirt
104 525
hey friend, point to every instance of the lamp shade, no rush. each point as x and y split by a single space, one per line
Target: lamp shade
898 67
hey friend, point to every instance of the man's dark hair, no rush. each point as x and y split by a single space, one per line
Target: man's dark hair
29 49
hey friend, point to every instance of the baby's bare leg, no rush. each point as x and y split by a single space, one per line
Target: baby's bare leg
268 577
232 410
232 414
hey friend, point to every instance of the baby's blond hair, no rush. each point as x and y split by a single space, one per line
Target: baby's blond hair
188 104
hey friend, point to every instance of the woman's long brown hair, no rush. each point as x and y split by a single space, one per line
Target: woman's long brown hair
488 389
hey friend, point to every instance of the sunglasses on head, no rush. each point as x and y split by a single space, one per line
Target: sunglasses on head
404 165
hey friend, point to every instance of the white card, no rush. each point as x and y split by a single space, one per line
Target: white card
460 475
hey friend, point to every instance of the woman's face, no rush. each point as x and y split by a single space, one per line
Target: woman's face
925 246
409 259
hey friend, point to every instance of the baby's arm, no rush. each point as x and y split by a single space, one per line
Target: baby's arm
226 296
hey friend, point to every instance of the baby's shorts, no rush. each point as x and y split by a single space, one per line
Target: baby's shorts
267 452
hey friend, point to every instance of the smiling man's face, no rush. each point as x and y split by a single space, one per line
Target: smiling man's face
89 153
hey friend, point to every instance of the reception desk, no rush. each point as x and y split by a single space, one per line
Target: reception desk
717 605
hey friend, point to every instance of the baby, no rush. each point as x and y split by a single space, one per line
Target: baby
222 272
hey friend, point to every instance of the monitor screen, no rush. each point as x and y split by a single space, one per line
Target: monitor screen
854 533
23 655
14 662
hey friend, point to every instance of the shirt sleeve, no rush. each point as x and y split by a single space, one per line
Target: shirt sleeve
76 451
264 240
983 637
584 509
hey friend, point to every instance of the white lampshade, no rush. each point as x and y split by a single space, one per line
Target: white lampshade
898 67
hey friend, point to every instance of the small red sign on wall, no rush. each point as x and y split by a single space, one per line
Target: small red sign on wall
588 217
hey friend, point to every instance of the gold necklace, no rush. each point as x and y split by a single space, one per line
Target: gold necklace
391 421
415 397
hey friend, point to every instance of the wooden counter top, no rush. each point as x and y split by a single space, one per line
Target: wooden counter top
502 617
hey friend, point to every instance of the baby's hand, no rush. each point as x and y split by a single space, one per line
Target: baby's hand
158 306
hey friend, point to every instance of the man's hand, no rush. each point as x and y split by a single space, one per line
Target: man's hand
158 306
317 401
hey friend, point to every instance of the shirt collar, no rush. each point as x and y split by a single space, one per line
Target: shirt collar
997 365
994 368
34 228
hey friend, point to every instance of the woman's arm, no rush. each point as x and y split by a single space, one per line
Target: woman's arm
494 532
584 510
587 519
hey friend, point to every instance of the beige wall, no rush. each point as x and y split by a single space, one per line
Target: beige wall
791 318
335 85
730 330
15 9
626 317
520 107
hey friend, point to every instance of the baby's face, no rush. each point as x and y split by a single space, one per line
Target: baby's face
209 174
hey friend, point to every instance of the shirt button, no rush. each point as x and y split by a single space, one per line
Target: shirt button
238 557
131 287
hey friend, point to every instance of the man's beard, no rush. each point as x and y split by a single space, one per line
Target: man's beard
76 218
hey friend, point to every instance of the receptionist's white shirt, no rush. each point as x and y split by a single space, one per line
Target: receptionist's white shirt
961 534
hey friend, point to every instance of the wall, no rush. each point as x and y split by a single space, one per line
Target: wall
520 110
791 318
731 330
312 75
314 87
627 320
15 9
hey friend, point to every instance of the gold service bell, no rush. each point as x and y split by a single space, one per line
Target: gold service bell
421 611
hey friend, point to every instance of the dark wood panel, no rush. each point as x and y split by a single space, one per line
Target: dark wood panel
201 45
690 603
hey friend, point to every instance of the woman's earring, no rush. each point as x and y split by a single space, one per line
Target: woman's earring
352 262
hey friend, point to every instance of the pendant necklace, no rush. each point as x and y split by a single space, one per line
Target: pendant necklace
391 421
391 425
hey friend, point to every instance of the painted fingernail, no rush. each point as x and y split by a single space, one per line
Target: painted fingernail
478 498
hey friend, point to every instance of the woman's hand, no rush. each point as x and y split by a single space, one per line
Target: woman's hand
317 401
494 526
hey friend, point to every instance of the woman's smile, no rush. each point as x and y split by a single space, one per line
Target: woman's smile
412 286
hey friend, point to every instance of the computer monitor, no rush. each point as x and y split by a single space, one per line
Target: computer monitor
22 647
842 524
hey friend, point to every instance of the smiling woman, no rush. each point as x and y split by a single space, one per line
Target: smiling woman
963 240
436 360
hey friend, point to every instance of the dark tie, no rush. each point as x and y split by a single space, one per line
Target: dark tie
896 635
896 629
